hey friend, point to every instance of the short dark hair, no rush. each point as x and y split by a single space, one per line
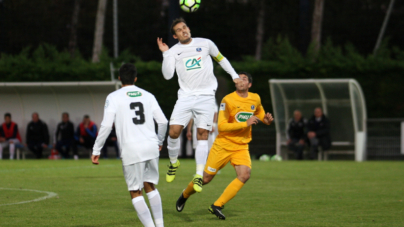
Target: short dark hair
248 75
65 113
86 116
7 115
128 73
175 22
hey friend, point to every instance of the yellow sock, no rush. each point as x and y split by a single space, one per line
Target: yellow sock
189 190
229 192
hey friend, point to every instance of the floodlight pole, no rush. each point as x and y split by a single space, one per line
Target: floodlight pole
115 19
383 29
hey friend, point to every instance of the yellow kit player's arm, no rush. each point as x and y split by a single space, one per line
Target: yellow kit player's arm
224 115
260 112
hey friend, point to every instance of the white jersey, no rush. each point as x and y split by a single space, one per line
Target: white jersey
133 110
194 66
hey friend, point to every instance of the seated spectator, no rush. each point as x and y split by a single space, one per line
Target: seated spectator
319 132
64 137
86 133
9 136
37 136
111 141
296 134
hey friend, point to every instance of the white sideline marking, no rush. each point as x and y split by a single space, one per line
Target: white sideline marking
50 195
55 168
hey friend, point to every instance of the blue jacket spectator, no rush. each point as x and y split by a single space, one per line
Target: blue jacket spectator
86 133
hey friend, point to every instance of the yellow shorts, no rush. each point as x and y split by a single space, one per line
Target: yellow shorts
219 157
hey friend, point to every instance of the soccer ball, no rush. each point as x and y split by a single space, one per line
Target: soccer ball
190 6
276 158
265 158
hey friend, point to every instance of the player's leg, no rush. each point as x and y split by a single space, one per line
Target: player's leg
151 178
134 179
203 112
217 159
2 145
313 148
11 148
242 163
178 120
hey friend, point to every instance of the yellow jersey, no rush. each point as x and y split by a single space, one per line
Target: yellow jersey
234 111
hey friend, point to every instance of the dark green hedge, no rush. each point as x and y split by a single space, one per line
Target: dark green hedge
381 77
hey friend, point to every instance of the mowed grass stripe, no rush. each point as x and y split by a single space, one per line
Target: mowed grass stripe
277 194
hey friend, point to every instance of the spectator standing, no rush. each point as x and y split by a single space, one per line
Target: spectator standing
37 136
9 136
86 133
111 141
296 134
64 137
319 132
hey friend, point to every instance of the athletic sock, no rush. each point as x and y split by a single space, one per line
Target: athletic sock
201 154
12 150
229 192
173 146
189 190
156 207
143 211
1 152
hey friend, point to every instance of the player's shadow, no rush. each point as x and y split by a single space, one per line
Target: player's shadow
227 213
184 216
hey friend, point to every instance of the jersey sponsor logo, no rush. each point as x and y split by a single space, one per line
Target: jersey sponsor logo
252 107
211 169
222 106
243 116
193 63
134 94
106 104
198 49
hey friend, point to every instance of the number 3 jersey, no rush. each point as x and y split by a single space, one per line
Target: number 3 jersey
234 111
133 110
194 66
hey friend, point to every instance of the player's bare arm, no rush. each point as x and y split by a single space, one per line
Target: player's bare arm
162 46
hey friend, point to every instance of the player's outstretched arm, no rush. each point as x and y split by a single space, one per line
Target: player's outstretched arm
223 62
162 46
168 66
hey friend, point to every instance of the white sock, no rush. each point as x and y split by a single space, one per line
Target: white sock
156 207
173 146
143 211
1 152
201 154
12 150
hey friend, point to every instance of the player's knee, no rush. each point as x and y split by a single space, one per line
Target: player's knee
202 134
207 178
244 177
174 134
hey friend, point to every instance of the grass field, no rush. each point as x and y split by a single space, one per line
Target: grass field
278 194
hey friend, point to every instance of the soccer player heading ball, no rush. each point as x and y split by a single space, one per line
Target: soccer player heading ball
237 113
191 58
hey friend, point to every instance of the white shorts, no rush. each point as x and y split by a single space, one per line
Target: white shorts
201 108
137 173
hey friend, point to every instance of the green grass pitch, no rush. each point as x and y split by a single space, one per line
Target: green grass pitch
277 194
